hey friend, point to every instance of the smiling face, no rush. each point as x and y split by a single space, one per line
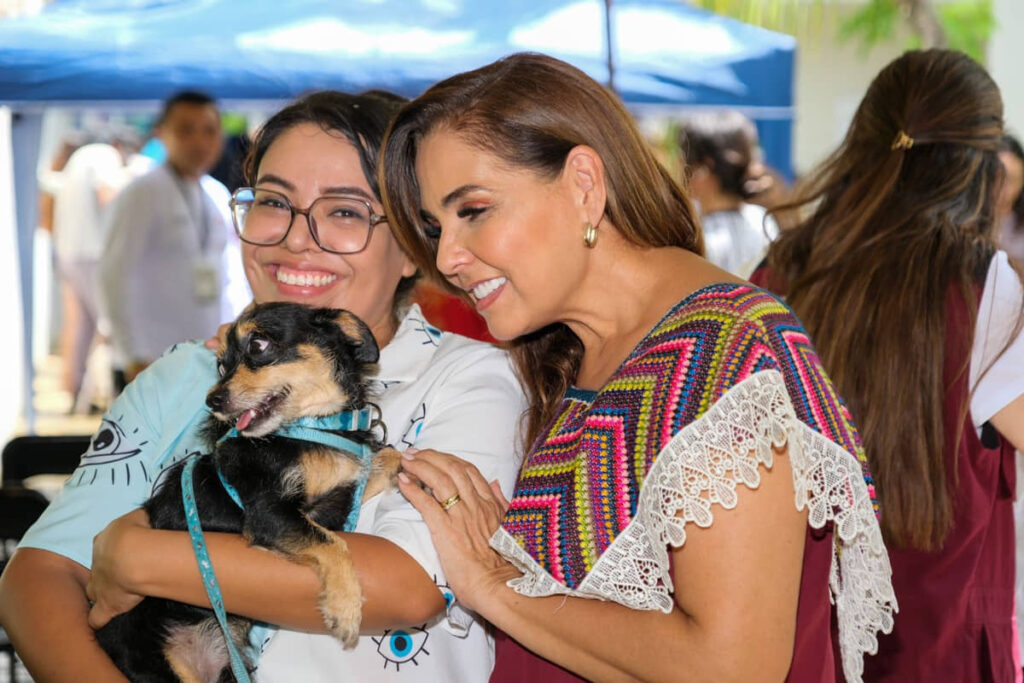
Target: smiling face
510 238
305 163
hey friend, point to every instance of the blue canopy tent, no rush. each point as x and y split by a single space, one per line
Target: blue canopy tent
665 55
664 52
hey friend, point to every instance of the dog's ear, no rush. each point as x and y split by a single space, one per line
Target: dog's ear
249 308
356 332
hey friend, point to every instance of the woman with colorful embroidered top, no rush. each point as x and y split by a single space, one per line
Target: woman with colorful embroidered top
677 412
434 389
897 275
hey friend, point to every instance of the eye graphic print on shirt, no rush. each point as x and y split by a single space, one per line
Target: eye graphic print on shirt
446 591
431 335
401 646
415 425
185 454
111 457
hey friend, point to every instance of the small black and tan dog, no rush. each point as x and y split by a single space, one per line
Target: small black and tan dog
280 362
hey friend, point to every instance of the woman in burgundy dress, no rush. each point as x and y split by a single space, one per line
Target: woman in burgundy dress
916 314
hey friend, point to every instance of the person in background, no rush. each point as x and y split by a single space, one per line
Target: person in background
434 390
88 184
1009 221
673 517
82 181
898 277
723 168
49 178
774 192
169 269
1010 202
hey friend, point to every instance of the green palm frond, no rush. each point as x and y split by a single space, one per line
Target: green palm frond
963 24
787 16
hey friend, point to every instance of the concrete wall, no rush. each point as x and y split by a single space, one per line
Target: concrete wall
832 76
1006 61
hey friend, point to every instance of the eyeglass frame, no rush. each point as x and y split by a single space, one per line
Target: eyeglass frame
374 218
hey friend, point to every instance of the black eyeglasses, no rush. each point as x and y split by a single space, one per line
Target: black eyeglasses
339 224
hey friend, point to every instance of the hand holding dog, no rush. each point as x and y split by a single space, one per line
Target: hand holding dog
107 588
472 568
218 340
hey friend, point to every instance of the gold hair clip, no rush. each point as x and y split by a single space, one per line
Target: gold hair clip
902 141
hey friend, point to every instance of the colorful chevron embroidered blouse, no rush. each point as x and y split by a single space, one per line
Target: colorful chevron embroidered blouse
580 486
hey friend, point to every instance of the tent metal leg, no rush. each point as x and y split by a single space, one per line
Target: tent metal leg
26 129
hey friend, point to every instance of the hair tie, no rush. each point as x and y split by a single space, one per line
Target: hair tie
902 141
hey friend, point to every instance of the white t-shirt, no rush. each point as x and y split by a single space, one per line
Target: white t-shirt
171 266
1001 303
435 390
736 241
997 383
78 228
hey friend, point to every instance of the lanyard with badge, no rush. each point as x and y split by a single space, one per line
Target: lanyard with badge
205 275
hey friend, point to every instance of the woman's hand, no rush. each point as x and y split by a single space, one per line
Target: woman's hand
215 342
460 533
108 588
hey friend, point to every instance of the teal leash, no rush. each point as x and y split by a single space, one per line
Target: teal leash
195 533
314 429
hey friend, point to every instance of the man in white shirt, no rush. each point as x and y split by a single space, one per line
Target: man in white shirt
163 273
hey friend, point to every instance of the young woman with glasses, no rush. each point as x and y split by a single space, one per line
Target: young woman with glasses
314 232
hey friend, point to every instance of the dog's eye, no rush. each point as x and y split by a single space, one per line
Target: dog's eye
221 370
257 345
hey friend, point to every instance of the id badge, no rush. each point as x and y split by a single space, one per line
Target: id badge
207 282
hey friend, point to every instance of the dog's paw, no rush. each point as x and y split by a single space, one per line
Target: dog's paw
383 472
387 462
343 618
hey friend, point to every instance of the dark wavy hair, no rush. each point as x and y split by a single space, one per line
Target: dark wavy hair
361 119
726 144
902 216
530 111
189 97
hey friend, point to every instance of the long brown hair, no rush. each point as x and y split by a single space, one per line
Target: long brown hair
903 211
530 111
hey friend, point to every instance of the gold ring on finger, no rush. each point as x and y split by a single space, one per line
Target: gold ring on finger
450 501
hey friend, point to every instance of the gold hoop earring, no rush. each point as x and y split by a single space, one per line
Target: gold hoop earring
590 235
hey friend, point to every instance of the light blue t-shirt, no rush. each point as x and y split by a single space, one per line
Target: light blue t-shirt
152 424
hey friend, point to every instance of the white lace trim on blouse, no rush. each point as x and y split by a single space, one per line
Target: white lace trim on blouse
702 465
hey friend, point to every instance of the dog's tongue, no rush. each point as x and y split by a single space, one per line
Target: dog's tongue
244 419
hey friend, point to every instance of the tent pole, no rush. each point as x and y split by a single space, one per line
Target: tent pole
26 129
609 44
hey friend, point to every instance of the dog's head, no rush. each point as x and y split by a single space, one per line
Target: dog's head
282 361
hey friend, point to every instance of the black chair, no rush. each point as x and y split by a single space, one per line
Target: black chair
25 456
20 507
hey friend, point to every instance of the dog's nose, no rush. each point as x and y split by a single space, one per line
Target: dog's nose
216 400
